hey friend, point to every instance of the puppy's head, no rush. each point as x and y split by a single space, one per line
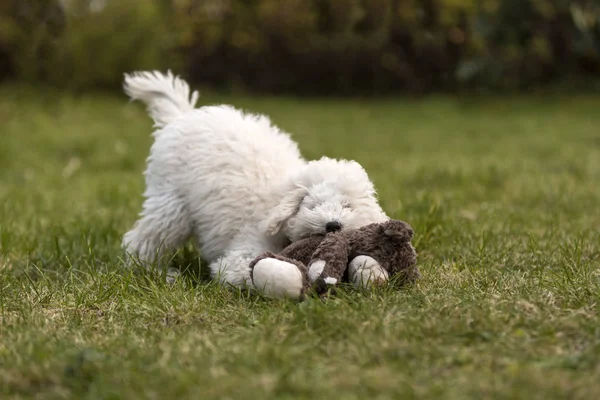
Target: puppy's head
324 196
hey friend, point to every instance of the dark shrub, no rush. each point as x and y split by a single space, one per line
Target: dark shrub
310 46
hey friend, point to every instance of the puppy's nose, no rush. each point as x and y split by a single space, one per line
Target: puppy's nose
333 226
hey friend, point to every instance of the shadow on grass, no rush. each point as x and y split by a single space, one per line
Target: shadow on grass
189 262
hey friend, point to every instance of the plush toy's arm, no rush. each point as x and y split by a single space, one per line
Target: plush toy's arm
328 262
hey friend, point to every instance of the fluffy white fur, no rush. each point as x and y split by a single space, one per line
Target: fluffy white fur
234 182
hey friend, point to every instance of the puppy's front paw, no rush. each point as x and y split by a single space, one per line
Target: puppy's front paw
364 271
278 279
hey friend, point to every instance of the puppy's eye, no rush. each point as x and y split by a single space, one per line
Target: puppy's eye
346 205
310 205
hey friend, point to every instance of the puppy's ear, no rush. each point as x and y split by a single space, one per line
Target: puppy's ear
287 207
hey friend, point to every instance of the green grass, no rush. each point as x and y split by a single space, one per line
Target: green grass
503 194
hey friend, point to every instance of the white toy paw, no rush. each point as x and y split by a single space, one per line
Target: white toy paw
315 270
172 275
278 279
364 271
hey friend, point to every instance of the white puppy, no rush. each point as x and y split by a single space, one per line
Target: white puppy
235 183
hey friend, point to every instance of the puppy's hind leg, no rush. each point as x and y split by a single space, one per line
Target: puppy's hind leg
164 226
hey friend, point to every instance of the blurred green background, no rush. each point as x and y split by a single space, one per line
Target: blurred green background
306 46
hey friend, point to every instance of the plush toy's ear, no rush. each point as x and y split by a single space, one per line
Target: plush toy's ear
285 209
399 230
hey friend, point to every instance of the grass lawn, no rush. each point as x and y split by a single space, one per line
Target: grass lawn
503 194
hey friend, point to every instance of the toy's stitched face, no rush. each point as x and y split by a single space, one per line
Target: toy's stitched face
327 207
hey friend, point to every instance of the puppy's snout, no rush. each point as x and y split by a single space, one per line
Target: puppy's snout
333 226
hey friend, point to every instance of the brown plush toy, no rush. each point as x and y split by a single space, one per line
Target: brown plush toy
378 252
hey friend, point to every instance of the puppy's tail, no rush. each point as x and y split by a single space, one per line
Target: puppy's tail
166 96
